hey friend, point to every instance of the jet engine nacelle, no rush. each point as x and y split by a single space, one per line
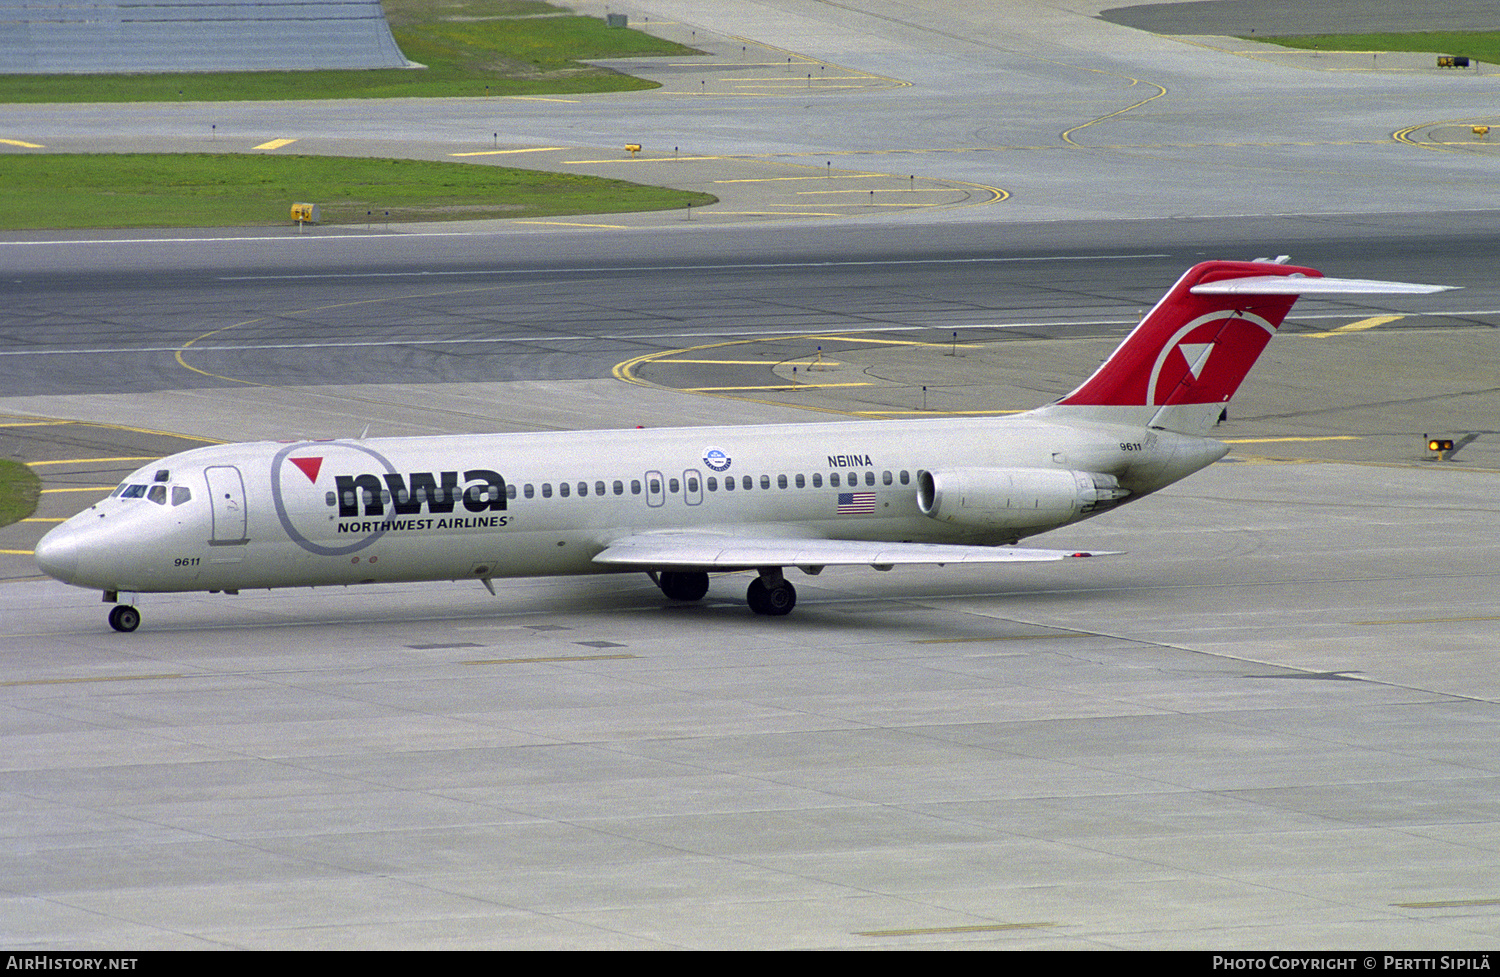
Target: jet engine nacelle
1005 498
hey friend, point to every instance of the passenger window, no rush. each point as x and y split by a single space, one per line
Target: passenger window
563 489
635 486
833 480
781 481
583 489
529 491
765 481
729 484
655 487
692 484
904 477
510 490
746 483
818 480
619 487
869 479
713 484
330 500
673 484
181 494
801 482
546 490
885 478
598 488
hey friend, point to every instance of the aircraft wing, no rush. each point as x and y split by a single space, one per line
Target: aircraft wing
704 550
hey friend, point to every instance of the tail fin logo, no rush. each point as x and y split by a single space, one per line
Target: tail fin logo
1187 371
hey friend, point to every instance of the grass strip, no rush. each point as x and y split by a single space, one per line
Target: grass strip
203 190
1475 45
18 492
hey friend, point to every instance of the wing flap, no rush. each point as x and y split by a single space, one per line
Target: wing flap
712 550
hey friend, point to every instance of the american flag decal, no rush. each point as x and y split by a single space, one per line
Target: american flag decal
856 503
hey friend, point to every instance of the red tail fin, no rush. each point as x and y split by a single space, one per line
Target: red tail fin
1187 357
1193 348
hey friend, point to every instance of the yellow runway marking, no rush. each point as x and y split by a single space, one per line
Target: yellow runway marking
749 362
99 678
506 152
1360 326
820 176
888 342
765 213
776 386
40 519
83 461
808 193
1449 904
23 145
18 552
276 144
90 488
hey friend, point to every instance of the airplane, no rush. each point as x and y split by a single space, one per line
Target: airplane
681 503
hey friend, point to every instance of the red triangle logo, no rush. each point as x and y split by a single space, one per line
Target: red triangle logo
310 467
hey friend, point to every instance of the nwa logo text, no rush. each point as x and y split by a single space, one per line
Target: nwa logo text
366 495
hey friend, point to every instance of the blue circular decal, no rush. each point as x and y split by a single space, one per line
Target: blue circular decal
716 459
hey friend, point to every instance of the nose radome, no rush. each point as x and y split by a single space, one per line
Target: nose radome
57 553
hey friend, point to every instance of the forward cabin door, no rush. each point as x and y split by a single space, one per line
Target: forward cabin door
226 493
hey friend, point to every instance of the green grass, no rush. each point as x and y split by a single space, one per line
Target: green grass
1478 45
190 190
470 48
18 492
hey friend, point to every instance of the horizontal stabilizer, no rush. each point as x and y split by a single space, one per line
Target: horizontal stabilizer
1298 285
704 550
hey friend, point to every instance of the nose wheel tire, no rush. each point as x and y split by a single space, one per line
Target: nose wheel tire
124 618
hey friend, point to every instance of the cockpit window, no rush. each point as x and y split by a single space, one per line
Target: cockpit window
181 494
134 492
157 494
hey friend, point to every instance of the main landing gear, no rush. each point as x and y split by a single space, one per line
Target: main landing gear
769 594
683 585
125 618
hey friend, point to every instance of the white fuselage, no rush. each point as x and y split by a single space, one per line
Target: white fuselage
314 513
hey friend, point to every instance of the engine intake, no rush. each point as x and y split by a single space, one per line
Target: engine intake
1019 498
